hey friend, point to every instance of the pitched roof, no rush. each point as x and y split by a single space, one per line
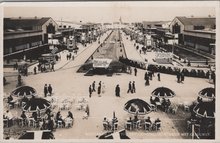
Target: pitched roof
197 21
12 23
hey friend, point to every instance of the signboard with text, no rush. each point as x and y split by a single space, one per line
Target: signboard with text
101 63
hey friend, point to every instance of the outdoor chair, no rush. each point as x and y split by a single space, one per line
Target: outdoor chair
174 109
186 108
129 126
137 125
59 124
105 125
158 126
69 123
115 127
5 121
32 123
147 126
153 107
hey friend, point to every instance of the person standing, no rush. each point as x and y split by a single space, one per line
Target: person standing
35 70
45 90
133 87
50 89
93 87
90 91
158 76
52 67
178 76
135 71
99 90
182 77
117 91
129 87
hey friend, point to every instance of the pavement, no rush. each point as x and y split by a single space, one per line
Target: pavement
70 85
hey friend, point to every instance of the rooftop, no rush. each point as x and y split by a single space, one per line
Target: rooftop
197 21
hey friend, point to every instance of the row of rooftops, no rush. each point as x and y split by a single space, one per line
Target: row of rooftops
27 24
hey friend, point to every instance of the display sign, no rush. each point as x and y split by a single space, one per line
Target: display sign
163 55
101 63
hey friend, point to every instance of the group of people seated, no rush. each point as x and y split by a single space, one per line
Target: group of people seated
46 121
109 124
165 103
149 125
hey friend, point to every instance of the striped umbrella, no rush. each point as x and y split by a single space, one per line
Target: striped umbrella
24 91
205 109
207 93
163 92
137 106
36 104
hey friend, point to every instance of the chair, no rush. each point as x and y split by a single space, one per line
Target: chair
6 123
32 123
59 124
129 126
105 125
137 124
153 107
186 108
174 109
115 126
158 126
147 126
69 123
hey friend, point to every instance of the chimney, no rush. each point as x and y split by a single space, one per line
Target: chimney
35 17
209 16
19 17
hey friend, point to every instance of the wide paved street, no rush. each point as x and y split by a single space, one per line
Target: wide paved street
68 84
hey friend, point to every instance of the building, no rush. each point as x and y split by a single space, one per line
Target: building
23 34
196 33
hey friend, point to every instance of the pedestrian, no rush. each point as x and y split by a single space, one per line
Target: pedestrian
73 57
133 87
90 91
16 66
50 89
135 71
93 87
67 57
19 80
117 91
129 88
35 70
45 90
52 67
99 90
182 77
158 76
178 77
150 75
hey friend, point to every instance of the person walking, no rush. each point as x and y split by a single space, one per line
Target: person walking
178 77
52 67
133 87
117 91
158 76
50 89
93 87
45 90
129 88
135 71
90 91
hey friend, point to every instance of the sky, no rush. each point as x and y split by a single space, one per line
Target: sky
109 12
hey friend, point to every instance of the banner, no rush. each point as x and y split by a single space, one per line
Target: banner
101 63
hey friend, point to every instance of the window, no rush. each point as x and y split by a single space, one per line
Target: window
199 27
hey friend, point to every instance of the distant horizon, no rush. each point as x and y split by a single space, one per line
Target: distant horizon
110 12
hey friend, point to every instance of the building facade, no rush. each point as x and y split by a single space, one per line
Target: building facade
196 33
26 33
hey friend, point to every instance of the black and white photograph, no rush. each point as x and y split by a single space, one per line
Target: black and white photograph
110 70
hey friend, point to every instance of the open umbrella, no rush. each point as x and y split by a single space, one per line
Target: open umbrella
207 93
163 92
36 104
137 106
205 109
24 91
